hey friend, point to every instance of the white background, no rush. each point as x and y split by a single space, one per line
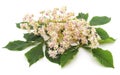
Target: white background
15 63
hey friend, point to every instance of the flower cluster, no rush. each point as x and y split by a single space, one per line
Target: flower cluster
61 29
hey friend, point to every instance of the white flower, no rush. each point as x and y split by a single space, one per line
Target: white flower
25 26
43 33
65 44
61 50
52 53
63 9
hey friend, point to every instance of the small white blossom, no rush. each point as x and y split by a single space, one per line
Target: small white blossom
52 53
61 50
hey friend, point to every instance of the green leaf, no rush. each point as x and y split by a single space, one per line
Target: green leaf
32 37
97 20
68 55
18 24
102 33
108 40
87 48
55 60
105 38
18 45
103 56
35 54
82 16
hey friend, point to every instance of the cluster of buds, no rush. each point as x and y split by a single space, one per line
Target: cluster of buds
61 29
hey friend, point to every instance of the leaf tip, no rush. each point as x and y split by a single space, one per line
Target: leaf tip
4 47
62 65
113 67
30 64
